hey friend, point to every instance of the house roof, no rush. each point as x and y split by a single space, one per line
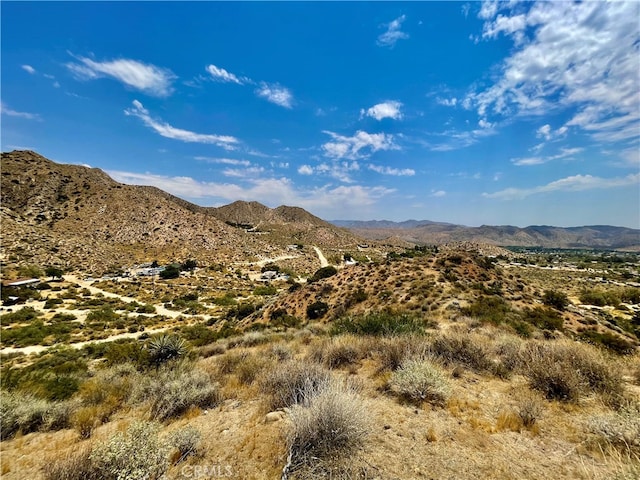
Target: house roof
18 282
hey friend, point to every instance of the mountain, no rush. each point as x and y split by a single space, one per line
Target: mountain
293 223
79 218
594 236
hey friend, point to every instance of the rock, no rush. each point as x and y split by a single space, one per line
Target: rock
273 417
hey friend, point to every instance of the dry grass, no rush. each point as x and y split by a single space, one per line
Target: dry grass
171 391
566 370
338 351
328 427
292 383
420 380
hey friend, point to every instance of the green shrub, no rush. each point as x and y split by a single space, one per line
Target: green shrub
172 271
609 340
265 290
317 310
23 315
491 309
543 318
599 298
324 272
420 380
379 324
555 299
225 300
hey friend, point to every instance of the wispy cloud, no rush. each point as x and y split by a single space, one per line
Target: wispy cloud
29 69
222 75
13 113
388 109
305 170
224 161
360 145
249 172
326 200
341 171
564 153
578 57
275 93
147 78
393 33
437 193
569 184
166 130
398 172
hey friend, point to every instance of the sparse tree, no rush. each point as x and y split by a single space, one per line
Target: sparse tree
54 272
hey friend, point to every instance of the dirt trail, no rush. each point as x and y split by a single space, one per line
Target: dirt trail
323 260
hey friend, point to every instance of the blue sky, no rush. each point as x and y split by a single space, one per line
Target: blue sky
471 113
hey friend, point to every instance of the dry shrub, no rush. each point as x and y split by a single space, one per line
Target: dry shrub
212 349
228 362
280 352
391 352
337 351
620 429
26 413
529 409
567 370
171 391
419 380
472 351
186 443
249 369
293 382
74 465
137 454
249 339
509 420
329 427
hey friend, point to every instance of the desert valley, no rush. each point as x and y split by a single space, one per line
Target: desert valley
145 337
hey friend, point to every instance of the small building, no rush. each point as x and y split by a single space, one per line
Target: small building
21 282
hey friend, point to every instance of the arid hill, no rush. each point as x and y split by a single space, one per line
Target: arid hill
79 218
283 222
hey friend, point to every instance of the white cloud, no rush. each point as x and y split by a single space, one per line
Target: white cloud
147 78
29 69
225 161
564 153
275 93
398 172
352 147
393 33
579 57
248 172
221 75
327 200
388 109
544 132
13 113
305 170
447 102
438 193
569 184
166 130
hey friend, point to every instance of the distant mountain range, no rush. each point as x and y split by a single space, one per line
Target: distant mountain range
425 231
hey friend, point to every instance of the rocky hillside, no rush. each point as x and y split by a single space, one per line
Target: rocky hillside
79 218
293 224
596 236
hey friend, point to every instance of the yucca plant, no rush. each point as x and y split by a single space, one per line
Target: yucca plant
166 347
